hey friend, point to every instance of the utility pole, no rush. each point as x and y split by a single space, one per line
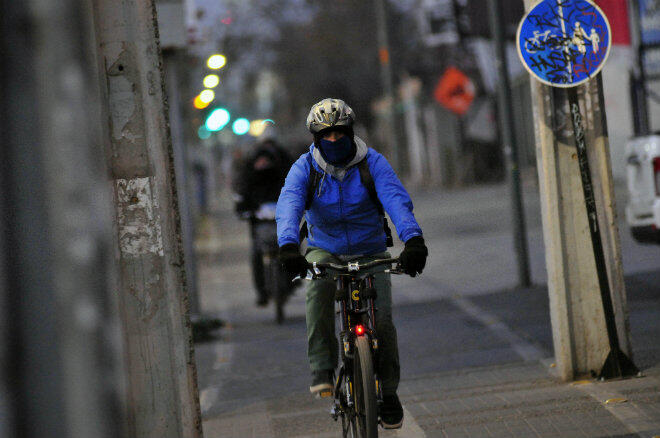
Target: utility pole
507 129
579 326
387 83
162 392
60 368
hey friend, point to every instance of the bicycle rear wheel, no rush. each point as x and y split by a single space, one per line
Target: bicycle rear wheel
364 381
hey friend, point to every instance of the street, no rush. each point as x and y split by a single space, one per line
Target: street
476 352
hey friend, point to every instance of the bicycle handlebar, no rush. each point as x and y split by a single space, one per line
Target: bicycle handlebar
317 270
352 266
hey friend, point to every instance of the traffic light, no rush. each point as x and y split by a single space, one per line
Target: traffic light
199 104
217 120
241 126
203 133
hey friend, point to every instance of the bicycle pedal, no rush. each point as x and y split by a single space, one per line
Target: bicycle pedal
324 394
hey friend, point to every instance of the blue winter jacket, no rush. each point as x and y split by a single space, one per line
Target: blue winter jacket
342 218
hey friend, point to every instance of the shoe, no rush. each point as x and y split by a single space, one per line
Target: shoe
391 412
262 301
322 383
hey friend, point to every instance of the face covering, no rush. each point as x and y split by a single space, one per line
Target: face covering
337 153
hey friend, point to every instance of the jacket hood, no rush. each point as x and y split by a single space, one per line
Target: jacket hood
339 172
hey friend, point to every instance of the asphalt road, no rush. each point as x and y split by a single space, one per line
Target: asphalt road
463 315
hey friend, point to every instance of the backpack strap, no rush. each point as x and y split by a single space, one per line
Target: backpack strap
313 182
370 185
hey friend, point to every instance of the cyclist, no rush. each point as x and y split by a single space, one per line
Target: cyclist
345 223
259 181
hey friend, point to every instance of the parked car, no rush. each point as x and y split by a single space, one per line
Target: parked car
643 180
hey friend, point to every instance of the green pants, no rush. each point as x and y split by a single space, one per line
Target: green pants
323 346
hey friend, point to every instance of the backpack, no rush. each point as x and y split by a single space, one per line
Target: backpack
367 181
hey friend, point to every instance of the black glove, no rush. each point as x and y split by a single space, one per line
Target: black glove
413 256
292 261
242 207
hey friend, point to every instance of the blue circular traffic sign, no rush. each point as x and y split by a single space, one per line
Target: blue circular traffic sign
564 43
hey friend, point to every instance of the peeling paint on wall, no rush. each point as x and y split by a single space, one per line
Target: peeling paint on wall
138 218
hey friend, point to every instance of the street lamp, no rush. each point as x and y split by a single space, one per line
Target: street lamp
199 104
211 81
207 96
216 62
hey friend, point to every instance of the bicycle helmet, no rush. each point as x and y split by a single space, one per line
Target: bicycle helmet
330 113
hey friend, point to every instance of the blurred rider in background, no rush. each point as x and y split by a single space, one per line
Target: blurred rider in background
258 184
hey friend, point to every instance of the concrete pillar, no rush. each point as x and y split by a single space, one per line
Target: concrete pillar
162 383
576 309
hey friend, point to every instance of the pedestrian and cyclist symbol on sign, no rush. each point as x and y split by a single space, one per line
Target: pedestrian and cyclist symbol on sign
564 42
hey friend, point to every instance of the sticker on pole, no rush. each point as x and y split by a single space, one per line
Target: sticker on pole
564 43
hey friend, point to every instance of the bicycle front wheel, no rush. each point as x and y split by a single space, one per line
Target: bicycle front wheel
364 381
278 289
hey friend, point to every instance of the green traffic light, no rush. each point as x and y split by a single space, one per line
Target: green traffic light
217 120
241 126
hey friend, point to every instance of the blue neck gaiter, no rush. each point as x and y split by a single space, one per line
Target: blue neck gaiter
337 153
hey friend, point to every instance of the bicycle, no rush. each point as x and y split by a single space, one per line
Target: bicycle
357 392
276 281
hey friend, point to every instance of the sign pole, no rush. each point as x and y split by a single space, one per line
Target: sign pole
564 44
617 364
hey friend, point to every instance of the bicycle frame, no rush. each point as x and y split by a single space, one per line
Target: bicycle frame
355 297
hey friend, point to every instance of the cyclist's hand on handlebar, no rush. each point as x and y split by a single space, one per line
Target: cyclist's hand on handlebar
292 261
413 257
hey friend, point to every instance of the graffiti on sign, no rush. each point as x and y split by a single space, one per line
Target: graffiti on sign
564 42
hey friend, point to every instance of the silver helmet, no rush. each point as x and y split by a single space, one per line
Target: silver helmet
329 113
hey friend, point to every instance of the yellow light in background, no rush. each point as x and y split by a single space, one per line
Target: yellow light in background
257 127
207 96
211 81
199 104
216 61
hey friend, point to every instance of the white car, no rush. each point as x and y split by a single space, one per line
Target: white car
643 178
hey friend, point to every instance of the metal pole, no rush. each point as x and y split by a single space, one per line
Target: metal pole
511 153
617 363
387 83
639 98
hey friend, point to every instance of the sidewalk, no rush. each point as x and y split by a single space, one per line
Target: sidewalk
474 362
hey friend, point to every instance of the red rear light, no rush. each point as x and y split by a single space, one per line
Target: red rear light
656 175
359 330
